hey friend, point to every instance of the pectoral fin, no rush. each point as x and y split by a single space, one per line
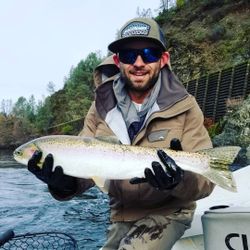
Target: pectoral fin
103 184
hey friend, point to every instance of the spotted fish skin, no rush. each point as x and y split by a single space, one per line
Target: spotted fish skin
88 157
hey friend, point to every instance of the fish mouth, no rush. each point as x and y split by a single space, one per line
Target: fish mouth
18 153
18 156
23 153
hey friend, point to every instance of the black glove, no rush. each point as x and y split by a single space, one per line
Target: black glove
56 179
160 178
175 144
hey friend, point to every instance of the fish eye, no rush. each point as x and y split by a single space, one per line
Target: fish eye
19 153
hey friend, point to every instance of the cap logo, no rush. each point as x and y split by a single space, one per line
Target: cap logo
135 29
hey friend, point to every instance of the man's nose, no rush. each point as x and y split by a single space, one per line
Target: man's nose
139 61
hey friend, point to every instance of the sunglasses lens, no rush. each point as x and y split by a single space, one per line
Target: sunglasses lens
128 56
149 55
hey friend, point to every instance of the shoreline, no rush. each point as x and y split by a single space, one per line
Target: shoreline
9 147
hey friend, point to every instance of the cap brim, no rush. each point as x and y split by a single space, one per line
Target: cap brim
117 45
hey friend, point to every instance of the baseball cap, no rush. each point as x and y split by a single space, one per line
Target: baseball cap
142 28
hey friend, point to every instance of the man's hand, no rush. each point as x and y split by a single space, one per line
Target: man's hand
175 144
163 178
166 178
55 179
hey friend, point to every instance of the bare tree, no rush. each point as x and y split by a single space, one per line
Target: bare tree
6 107
144 12
167 4
51 88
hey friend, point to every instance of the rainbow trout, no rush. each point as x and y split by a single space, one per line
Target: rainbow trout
87 157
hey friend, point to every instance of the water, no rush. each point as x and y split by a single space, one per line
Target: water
26 206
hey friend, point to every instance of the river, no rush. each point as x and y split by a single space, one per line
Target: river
26 206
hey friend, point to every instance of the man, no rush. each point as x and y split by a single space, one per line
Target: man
144 104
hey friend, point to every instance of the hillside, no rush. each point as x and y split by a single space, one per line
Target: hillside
205 36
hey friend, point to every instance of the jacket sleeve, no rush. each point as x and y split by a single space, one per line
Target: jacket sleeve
195 137
193 187
90 123
81 184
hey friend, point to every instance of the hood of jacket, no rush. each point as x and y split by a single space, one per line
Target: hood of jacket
105 70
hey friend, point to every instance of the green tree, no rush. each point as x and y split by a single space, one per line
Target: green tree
44 116
25 109
180 3
79 87
31 109
20 107
59 107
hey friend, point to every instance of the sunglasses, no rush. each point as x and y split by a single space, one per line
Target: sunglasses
149 55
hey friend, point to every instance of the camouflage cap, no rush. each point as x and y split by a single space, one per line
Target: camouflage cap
139 28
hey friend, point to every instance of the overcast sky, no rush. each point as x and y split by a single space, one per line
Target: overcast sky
40 40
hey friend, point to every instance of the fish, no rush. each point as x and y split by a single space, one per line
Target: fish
102 159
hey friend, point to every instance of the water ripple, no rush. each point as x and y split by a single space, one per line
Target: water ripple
26 206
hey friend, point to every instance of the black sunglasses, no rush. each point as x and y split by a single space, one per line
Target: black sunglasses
149 55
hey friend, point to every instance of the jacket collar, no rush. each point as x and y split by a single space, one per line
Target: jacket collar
171 92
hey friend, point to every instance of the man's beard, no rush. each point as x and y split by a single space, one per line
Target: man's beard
141 89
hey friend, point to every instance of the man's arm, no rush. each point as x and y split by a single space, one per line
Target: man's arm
195 137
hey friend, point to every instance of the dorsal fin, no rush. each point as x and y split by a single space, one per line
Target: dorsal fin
108 139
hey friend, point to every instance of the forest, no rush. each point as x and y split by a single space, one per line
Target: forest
28 119
202 36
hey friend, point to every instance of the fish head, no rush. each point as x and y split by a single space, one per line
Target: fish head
23 153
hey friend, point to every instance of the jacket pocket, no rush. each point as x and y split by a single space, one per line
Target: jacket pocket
161 138
159 135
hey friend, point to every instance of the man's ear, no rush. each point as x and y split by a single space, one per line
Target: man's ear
116 60
165 59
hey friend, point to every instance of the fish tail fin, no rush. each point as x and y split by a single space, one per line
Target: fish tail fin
220 160
222 157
